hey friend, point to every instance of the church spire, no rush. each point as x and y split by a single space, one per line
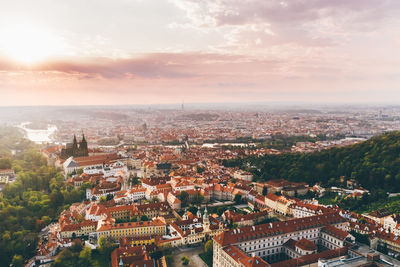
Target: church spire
74 146
205 216
199 213
83 147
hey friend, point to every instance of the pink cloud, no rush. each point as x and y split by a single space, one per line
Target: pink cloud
268 50
148 66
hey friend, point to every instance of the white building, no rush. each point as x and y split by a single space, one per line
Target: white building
266 242
243 175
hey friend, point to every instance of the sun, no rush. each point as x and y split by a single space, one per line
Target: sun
27 43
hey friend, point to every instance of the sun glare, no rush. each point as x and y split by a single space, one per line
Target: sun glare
28 44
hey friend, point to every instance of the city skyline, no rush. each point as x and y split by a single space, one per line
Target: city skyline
161 52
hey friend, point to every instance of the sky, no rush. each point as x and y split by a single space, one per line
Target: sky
99 52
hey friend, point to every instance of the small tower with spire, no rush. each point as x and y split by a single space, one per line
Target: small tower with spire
185 215
206 221
198 213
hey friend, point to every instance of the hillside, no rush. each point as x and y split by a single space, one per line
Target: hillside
374 163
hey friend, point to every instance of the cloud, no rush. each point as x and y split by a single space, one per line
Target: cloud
215 49
148 66
303 22
289 12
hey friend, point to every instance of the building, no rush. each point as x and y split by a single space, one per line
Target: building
6 175
194 229
116 231
137 240
72 164
243 175
379 216
174 201
301 209
103 189
78 229
137 256
75 149
268 242
279 204
245 219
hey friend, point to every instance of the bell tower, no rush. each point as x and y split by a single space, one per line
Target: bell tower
206 221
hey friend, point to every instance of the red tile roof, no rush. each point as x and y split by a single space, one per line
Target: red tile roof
306 244
276 228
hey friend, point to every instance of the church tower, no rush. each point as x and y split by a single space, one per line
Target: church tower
185 215
198 213
206 221
83 147
75 148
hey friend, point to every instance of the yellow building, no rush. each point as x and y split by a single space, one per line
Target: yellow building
137 240
77 229
120 230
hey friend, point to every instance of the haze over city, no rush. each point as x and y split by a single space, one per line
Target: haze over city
156 52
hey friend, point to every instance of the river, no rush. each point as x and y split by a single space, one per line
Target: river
39 136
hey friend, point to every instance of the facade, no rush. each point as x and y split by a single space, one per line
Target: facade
301 209
391 223
173 201
77 230
72 163
6 175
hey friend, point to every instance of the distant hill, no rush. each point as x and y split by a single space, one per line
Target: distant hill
375 164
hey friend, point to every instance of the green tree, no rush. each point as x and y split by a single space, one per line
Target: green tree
198 199
184 198
5 163
105 246
238 199
85 258
185 260
208 249
220 210
76 245
17 261
56 199
66 258
200 169
193 209
264 191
